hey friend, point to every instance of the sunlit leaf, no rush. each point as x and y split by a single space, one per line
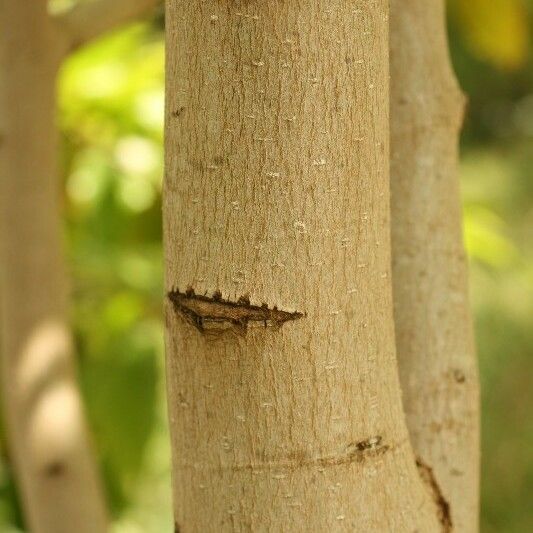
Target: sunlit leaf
497 31
485 238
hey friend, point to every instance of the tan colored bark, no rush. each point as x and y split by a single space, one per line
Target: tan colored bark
284 400
434 338
46 427
47 431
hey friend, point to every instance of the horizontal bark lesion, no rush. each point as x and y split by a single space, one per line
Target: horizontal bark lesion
354 452
214 312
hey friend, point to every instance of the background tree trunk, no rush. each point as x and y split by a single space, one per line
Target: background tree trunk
434 339
284 400
46 427
47 431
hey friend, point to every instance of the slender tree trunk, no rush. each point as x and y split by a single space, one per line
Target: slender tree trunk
284 399
46 427
434 339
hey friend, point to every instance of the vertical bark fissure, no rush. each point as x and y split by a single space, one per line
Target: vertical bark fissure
443 507
434 338
276 187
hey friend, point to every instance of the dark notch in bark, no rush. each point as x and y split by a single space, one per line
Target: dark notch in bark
54 469
213 312
443 507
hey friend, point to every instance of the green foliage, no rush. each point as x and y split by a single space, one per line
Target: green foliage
497 159
111 115
496 31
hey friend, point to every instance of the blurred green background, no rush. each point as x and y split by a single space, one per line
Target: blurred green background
111 118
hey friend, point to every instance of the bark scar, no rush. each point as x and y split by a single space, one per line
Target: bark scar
443 507
354 452
213 312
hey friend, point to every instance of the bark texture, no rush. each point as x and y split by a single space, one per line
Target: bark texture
46 427
284 400
434 338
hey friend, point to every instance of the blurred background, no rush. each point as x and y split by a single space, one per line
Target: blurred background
111 119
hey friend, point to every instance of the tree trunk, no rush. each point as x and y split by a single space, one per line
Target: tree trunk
434 339
284 399
46 428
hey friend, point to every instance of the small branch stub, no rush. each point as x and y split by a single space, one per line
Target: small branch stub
213 312
89 20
